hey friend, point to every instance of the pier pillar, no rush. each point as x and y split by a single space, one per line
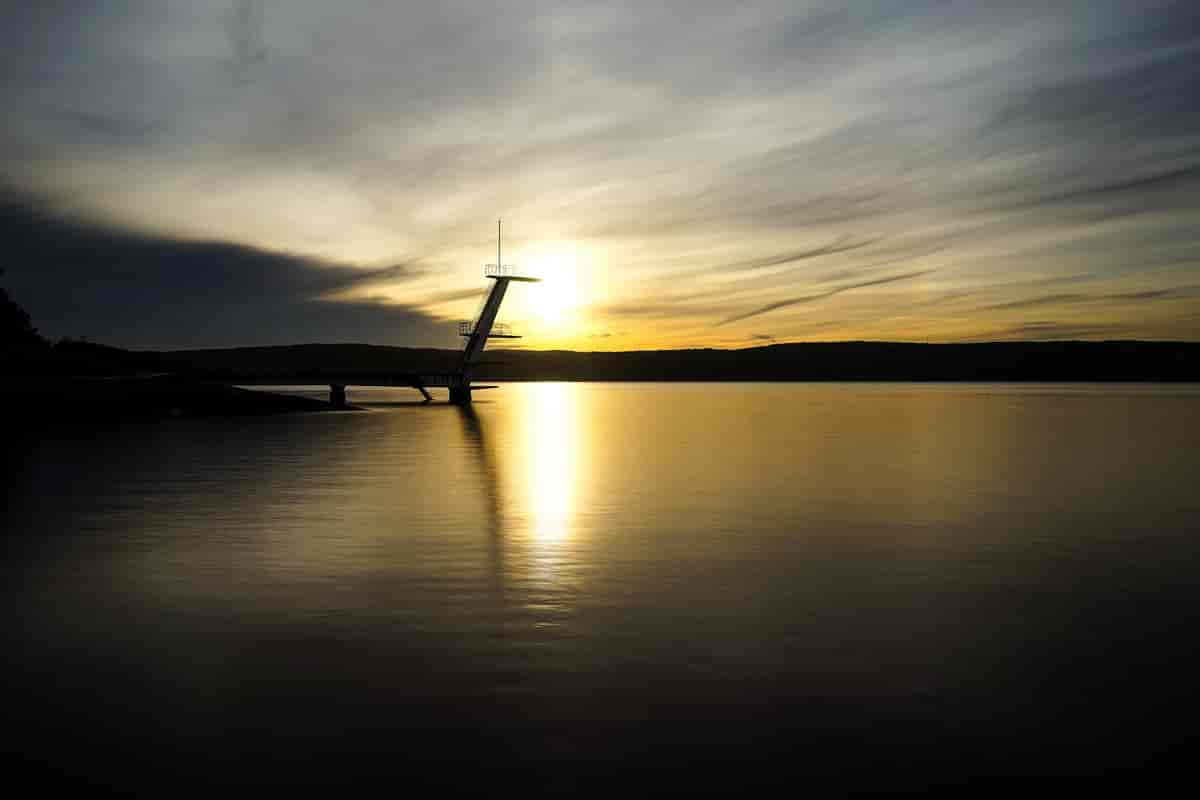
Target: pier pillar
337 395
460 395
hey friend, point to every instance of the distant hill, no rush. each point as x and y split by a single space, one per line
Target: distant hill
835 361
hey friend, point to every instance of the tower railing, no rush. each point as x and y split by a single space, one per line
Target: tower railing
499 330
500 270
510 271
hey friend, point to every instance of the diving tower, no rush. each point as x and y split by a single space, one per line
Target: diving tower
476 333
485 327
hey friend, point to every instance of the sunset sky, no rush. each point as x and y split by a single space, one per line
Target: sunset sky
184 173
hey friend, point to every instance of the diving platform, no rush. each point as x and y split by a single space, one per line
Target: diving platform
476 332
485 326
508 272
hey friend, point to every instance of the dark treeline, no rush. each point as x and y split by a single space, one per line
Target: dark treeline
834 361
16 327
840 361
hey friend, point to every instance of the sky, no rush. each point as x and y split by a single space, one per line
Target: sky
184 173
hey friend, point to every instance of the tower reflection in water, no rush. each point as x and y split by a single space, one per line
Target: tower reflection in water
530 473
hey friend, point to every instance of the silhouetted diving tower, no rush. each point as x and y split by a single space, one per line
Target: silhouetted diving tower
478 332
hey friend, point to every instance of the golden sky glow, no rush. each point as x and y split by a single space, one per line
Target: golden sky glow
729 176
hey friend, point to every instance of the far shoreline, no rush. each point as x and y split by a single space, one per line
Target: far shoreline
81 380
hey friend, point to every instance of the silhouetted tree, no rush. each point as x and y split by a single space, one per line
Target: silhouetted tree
15 325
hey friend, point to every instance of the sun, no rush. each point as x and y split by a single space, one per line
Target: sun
556 299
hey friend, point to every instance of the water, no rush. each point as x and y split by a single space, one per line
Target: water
707 585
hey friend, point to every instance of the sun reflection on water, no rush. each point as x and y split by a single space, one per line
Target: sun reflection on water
551 458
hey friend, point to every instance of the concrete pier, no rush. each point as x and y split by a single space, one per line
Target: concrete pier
337 395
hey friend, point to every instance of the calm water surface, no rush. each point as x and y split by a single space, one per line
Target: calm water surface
571 582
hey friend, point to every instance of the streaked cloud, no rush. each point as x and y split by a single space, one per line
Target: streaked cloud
822 296
1049 330
1068 298
842 245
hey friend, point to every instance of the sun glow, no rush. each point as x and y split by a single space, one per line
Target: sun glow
556 299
